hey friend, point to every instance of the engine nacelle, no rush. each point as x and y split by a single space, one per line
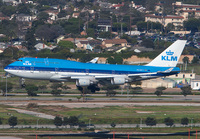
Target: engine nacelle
83 82
118 81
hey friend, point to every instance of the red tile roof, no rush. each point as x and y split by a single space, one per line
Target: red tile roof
168 16
115 41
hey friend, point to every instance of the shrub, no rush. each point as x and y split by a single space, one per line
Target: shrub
32 105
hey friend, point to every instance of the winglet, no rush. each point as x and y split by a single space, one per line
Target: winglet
171 55
94 60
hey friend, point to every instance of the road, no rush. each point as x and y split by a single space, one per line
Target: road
99 126
101 97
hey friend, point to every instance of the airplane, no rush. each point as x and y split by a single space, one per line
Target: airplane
91 74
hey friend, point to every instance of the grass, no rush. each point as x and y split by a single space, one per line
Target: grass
194 67
25 119
125 115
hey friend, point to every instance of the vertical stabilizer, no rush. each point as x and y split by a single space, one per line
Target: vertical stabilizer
171 55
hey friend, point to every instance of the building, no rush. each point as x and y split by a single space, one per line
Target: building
115 42
159 82
25 18
195 84
187 10
75 15
183 78
164 20
41 46
53 14
104 24
117 6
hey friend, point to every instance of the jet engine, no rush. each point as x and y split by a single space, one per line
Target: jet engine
83 82
118 81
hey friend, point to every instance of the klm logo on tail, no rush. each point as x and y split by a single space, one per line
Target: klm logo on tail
169 56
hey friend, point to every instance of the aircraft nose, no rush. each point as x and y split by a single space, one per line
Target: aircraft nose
6 69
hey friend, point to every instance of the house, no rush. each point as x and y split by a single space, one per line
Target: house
60 38
104 24
187 10
75 40
183 78
83 33
82 44
165 19
154 83
75 15
195 83
53 14
25 18
117 6
3 17
41 46
1 50
137 7
118 42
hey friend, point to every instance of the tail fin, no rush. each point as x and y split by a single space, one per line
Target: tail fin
171 55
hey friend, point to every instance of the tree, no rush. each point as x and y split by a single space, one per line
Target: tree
159 90
12 121
185 60
73 120
30 88
85 58
42 87
158 93
78 97
3 87
23 8
106 35
66 45
168 121
192 24
186 90
43 16
47 33
56 92
141 25
55 86
170 27
184 121
30 39
111 93
62 13
8 10
150 121
57 121
148 43
65 121
115 60
110 90
113 125
1 121
195 60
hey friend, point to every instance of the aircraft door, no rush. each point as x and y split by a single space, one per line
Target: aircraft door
46 61
56 70
17 69
32 69
113 72
87 71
